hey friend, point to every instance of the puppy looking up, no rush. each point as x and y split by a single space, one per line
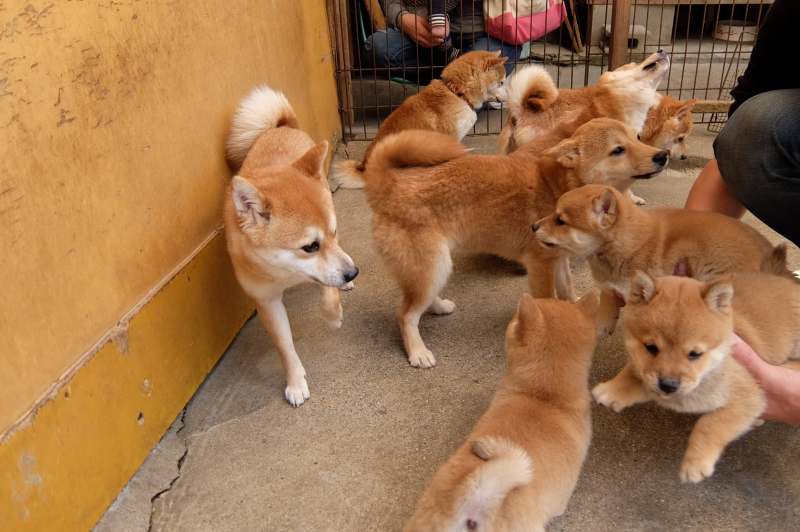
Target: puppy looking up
619 238
280 225
519 466
428 197
447 106
679 333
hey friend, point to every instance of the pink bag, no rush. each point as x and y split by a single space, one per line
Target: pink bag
521 21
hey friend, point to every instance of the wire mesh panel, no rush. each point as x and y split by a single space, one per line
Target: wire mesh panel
385 52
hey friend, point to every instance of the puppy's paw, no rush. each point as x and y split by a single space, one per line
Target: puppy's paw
297 392
607 394
422 358
334 318
696 468
441 307
638 200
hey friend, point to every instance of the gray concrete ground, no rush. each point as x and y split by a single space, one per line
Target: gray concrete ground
358 454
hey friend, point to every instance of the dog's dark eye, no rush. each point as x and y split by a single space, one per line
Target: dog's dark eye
638 136
312 247
651 348
560 221
619 150
681 139
651 66
694 355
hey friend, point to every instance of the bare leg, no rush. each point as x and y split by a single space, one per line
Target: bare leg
331 307
710 193
714 431
273 316
622 391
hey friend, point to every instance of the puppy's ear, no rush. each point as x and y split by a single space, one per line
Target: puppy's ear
250 206
528 314
642 289
589 303
604 207
312 162
494 61
566 153
684 109
719 296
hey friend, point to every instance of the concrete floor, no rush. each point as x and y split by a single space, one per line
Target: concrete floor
359 453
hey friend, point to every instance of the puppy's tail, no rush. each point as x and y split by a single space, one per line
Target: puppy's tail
507 466
532 89
262 109
411 148
349 173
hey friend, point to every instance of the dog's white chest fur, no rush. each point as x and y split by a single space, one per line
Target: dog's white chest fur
465 120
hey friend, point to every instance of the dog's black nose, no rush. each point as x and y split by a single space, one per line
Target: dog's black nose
669 385
535 227
661 157
684 157
352 274
661 51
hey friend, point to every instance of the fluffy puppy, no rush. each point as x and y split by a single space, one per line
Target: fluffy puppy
679 333
519 466
447 106
599 223
668 125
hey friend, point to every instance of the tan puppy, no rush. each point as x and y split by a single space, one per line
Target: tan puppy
428 197
447 106
599 223
537 108
679 333
280 225
519 466
668 126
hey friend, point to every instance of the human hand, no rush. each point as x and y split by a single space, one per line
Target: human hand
441 32
418 30
780 384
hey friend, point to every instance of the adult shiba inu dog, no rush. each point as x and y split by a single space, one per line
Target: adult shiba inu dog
519 466
429 196
679 333
537 108
447 106
619 238
280 225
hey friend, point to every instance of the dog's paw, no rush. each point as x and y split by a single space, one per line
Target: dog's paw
606 394
297 392
334 318
697 468
638 200
422 358
441 307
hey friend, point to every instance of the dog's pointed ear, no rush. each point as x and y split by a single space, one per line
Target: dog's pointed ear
494 61
719 296
642 288
528 314
604 207
684 108
588 303
566 153
312 162
251 207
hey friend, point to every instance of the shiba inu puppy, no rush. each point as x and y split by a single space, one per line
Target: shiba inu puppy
519 466
447 106
679 333
668 125
429 196
600 223
538 108
280 225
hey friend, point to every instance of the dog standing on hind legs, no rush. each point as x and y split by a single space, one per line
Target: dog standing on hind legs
280 225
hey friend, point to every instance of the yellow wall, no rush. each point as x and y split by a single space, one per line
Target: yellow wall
113 116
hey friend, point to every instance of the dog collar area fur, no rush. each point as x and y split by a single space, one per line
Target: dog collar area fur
460 95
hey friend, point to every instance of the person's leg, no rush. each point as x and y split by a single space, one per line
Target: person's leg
481 41
710 193
758 154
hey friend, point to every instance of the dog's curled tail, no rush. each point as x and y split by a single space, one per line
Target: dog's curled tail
507 466
411 148
264 108
349 173
531 88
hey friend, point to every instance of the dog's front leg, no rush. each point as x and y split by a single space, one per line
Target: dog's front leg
714 431
331 306
273 316
541 275
622 391
564 287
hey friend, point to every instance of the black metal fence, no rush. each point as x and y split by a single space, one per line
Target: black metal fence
709 42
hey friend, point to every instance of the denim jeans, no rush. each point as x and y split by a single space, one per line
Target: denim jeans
394 50
758 153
